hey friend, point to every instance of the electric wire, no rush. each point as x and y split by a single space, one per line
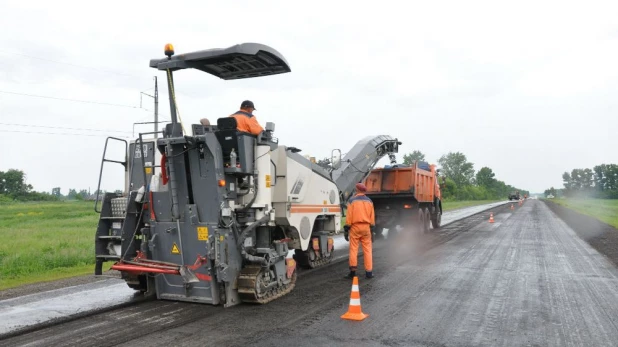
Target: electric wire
49 133
66 128
70 64
67 99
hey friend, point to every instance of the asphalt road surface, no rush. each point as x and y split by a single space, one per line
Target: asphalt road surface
525 280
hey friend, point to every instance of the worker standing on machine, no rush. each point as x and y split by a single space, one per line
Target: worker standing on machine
359 225
245 120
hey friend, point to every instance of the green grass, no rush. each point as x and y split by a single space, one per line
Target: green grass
45 241
603 209
453 205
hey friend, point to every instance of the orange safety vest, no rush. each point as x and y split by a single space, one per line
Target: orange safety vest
360 211
246 122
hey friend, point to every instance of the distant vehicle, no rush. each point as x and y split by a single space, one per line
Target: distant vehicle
514 196
550 196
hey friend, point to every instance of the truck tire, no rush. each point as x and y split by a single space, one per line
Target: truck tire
379 232
436 218
420 221
426 226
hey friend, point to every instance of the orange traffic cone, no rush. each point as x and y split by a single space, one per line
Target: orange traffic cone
491 218
354 311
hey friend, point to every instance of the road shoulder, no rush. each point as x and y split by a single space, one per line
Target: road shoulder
601 236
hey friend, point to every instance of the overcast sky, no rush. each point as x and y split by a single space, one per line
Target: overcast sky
529 89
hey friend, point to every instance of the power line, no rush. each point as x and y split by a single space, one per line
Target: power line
53 127
71 64
46 133
74 100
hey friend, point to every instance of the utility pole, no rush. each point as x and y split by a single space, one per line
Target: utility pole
156 110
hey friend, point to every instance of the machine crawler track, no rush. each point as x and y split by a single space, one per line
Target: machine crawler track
304 259
251 286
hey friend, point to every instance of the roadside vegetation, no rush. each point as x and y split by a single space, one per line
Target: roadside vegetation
45 241
593 192
599 182
462 182
605 210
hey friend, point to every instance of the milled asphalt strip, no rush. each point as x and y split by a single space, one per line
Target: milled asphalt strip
21 314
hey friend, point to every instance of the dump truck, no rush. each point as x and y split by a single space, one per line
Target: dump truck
220 216
514 196
407 196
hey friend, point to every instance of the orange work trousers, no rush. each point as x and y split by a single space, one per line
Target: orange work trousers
362 233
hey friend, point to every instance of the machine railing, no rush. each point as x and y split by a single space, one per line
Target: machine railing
103 160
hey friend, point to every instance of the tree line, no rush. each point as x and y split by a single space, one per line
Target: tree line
463 182
599 182
13 187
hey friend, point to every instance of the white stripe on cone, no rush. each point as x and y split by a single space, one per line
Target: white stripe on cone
354 288
355 302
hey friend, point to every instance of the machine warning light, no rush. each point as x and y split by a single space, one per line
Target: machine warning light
169 49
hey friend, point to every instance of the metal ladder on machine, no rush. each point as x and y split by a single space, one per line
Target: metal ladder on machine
108 241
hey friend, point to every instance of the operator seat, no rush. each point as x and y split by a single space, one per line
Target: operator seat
241 142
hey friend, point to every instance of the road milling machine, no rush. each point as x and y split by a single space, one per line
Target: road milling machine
221 216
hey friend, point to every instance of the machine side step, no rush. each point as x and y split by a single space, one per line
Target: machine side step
112 257
110 237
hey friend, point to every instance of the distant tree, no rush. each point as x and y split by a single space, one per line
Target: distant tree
577 179
599 177
457 167
567 182
587 177
56 192
118 192
82 195
448 189
609 174
410 158
485 177
72 194
13 183
550 191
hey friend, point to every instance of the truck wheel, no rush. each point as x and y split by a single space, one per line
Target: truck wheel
379 231
423 221
426 227
420 221
436 220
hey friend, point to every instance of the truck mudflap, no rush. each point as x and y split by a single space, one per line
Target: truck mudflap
140 265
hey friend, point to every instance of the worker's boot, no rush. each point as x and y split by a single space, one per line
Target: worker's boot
351 274
369 274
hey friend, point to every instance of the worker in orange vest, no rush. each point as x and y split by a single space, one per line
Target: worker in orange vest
359 225
245 120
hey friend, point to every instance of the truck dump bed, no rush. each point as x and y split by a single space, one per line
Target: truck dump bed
400 181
